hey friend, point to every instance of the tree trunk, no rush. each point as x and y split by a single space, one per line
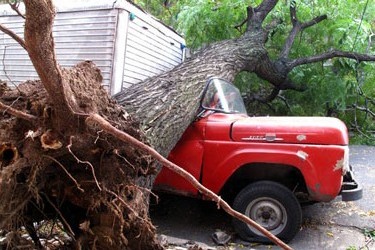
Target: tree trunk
166 104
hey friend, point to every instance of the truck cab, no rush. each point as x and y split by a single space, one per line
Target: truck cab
265 166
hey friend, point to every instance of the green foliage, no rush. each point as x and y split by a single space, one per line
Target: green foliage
334 86
204 21
165 10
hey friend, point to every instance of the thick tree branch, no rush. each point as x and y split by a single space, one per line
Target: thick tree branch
293 13
293 33
264 8
17 113
10 33
328 55
289 84
290 40
276 73
261 98
95 119
314 21
297 28
256 16
239 26
41 48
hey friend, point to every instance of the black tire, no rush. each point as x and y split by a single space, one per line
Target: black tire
271 205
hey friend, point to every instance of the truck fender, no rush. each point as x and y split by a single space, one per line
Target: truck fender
224 169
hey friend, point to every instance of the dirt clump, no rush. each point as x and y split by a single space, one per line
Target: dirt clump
63 168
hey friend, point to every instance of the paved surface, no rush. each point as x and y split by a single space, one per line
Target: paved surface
184 222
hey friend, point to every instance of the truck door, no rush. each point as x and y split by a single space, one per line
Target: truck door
188 154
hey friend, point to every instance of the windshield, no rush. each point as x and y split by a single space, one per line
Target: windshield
223 96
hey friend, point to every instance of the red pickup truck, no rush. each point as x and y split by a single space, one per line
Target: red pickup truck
265 166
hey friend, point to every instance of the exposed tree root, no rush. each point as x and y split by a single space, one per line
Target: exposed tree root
89 181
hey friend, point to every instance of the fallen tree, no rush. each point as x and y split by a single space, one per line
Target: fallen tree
225 59
57 155
62 162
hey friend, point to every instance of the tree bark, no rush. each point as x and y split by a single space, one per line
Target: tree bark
166 104
171 99
40 46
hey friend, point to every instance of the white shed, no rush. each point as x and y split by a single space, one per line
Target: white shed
126 43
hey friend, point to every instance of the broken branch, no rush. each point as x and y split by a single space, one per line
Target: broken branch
364 109
239 26
106 126
314 21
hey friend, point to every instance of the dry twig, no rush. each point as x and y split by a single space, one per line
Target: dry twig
83 162
63 220
107 127
17 113
66 171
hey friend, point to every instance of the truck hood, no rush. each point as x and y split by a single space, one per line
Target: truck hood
300 130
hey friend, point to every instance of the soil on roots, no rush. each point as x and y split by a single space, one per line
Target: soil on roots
59 167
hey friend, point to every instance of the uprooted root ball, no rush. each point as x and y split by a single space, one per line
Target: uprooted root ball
56 167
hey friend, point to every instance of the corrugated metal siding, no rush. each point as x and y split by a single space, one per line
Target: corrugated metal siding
149 52
79 36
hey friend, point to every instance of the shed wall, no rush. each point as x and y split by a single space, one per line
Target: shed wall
127 44
79 36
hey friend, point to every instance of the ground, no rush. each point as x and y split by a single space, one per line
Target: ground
185 222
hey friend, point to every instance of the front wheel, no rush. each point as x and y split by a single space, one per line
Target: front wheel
271 205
